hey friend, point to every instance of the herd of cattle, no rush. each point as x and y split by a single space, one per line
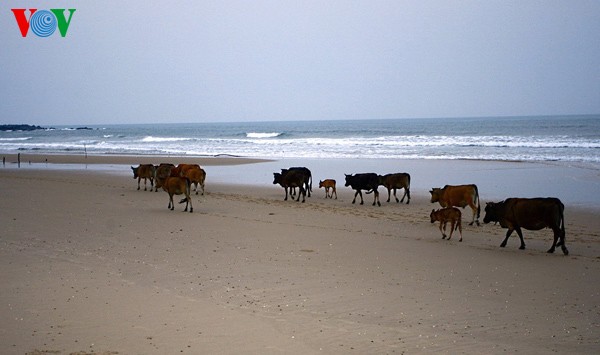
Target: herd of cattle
512 213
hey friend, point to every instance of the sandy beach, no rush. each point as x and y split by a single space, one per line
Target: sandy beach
92 265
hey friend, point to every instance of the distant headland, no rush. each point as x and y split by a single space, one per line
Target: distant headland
19 127
28 127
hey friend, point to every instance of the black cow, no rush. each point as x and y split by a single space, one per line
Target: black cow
307 178
292 179
529 213
366 181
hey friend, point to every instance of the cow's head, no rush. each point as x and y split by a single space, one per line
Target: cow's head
433 216
276 178
435 194
492 212
348 178
135 172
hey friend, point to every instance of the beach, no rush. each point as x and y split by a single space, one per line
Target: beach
92 265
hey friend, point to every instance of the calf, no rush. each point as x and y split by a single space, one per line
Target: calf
365 181
445 215
176 185
396 181
144 171
328 184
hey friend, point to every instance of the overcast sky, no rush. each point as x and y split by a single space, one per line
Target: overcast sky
207 61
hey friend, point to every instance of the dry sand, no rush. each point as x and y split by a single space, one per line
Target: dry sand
91 265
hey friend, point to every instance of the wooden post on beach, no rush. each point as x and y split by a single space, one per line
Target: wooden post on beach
19 160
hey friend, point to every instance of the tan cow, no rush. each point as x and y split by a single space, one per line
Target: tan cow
445 215
160 173
176 185
197 176
144 171
396 181
458 196
328 184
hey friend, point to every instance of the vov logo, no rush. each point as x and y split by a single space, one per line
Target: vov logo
43 23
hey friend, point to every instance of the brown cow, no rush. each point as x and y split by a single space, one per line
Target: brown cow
458 196
445 215
160 173
396 181
182 168
328 184
176 185
197 176
144 171
531 214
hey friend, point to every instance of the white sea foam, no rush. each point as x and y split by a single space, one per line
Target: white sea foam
262 135
150 139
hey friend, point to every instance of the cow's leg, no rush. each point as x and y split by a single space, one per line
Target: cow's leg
303 193
520 233
475 216
396 197
376 199
389 194
171 204
459 226
407 195
452 223
474 209
361 198
508 233
139 182
334 192
443 231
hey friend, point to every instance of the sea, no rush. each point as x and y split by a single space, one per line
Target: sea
573 139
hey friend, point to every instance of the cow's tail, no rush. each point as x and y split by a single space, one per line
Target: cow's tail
188 190
562 223
370 191
477 201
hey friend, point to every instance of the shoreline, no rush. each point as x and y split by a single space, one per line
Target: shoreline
497 180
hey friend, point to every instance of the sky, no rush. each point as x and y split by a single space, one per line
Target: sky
216 61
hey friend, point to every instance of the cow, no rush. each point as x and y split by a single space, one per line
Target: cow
531 214
364 181
160 173
396 181
176 185
458 196
144 171
328 184
197 175
445 215
307 178
292 179
181 169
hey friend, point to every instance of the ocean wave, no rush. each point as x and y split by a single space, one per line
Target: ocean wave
151 139
263 135
15 139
